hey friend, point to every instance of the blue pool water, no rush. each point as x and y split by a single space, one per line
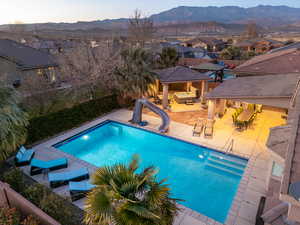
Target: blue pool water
206 179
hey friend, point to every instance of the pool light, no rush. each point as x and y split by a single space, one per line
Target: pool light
85 137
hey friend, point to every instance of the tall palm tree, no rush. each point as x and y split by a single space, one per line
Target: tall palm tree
134 76
123 196
167 58
13 122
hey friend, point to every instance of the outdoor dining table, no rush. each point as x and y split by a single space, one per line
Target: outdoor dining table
245 115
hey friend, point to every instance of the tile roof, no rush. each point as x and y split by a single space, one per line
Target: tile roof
25 57
278 139
180 74
272 86
290 46
208 66
292 163
286 61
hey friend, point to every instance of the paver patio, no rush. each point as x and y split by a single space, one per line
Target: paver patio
249 144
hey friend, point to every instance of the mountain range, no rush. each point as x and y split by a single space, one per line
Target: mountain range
228 16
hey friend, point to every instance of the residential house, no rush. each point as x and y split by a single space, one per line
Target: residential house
208 43
18 62
278 62
52 46
259 46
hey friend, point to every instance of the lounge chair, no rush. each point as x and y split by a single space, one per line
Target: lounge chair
24 156
79 190
198 128
209 129
38 166
59 179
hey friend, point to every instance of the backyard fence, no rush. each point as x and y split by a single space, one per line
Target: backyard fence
11 198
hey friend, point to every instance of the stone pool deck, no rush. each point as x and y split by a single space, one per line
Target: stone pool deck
251 188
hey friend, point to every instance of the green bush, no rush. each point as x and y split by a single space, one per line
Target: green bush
30 220
46 126
35 193
9 216
15 179
57 209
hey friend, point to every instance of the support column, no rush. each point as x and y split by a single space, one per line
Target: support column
188 86
165 101
204 87
222 106
157 87
211 109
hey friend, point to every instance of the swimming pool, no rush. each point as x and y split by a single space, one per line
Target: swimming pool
206 179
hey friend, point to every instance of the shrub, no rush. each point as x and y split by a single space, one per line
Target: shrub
9 216
56 208
30 220
35 193
15 179
54 123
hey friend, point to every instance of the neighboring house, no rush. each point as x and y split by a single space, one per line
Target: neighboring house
52 46
187 52
18 61
279 62
259 45
286 47
208 43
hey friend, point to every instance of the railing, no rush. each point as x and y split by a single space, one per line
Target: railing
228 147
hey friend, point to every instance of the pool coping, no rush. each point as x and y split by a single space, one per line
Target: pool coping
236 203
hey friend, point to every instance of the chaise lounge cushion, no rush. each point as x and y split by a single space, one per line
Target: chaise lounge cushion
37 165
57 179
81 186
23 157
80 189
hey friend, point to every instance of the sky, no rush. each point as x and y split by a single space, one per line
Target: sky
40 11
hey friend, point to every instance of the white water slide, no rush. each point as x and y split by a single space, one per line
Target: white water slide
137 114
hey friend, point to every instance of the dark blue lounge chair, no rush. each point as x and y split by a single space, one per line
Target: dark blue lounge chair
24 156
59 179
37 166
79 190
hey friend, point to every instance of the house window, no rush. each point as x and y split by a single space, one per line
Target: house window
277 170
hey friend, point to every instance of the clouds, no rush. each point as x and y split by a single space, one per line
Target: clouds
34 11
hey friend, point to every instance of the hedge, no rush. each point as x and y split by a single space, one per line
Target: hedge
54 123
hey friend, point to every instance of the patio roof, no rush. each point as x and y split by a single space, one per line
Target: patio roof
272 86
208 66
180 74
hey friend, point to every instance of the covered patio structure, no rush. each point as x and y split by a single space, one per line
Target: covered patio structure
179 78
273 91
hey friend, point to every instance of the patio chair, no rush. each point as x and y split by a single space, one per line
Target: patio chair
80 189
24 156
38 166
198 128
59 179
209 129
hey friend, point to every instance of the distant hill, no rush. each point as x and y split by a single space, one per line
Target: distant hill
226 19
264 15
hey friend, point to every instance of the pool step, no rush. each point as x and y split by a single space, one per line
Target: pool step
236 161
214 166
226 164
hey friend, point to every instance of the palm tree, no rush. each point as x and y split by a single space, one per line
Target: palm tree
13 122
135 77
167 58
124 197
